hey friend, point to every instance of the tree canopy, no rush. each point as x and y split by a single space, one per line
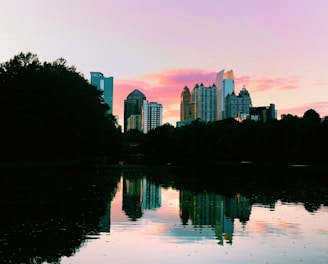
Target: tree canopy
290 139
49 110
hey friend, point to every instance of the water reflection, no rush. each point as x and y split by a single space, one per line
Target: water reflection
138 195
48 215
214 210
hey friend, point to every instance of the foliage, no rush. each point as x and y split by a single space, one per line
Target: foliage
48 110
291 138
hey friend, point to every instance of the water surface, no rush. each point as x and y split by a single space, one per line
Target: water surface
217 229
164 215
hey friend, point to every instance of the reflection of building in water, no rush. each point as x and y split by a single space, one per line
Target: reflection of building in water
132 198
217 211
238 207
138 195
151 195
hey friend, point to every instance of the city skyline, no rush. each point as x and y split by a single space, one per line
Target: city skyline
276 49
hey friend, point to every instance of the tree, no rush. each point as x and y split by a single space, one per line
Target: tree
48 110
311 114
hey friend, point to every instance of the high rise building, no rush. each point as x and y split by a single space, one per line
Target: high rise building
201 104
238 106
106 85
228 87
215 102
151 116
218 84
133 106
205 99
187 105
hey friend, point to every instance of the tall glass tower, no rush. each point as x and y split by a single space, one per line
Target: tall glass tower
218 84
228 87
105 84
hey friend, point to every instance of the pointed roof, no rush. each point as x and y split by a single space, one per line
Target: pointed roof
136 93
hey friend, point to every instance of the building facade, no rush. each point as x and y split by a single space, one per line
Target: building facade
218 83
206 100
228 87
201 104
263 113
238 106
151 115
133 107
134 122
187 105
106 85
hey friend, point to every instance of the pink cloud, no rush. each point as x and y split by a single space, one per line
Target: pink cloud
320 107
182 77
321 83
265 84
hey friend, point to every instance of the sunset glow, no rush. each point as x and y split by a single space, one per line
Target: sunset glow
277 49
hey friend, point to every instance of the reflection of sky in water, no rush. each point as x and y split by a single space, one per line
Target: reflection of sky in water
286 234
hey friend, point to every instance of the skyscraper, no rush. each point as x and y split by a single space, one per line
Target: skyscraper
151 116
206 102
228 87
105 84
218 84
187 106
132 106
201 104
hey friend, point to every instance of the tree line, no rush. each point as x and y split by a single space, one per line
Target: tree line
48 110
291 138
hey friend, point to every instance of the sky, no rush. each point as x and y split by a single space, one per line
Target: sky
277 49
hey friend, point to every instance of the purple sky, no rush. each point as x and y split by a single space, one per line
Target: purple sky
278 49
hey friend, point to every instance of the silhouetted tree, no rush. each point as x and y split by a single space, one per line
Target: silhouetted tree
158 142
292 138
311 114
50 111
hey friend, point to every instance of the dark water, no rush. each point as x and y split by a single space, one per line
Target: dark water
231 213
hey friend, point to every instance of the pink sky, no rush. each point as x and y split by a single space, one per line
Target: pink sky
277 49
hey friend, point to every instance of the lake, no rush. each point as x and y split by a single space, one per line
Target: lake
232 213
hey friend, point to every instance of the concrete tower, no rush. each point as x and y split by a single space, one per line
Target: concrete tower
151 116
205 99
187 106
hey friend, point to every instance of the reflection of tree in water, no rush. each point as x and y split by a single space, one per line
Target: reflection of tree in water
214 210
47 214
311 207
132 201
